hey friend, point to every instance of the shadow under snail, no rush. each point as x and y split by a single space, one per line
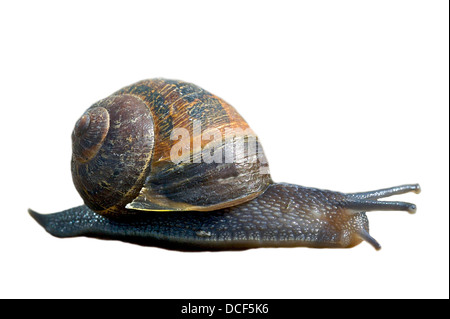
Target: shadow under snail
134 190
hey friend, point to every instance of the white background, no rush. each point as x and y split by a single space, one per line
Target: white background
345 95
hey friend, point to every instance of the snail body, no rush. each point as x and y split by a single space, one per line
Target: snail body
134 189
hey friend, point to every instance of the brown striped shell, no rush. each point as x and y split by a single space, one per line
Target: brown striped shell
124 147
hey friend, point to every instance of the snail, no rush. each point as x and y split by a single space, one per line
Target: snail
153 168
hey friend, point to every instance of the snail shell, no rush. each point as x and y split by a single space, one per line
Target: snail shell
123 148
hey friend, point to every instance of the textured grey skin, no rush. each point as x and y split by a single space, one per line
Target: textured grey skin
284 216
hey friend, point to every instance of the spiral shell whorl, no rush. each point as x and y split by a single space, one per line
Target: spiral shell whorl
89 133
112 149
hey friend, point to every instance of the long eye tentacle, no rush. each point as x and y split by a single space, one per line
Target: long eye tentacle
386 192
368 205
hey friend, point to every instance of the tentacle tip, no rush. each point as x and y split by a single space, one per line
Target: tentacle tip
374 244
412 209
418 190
